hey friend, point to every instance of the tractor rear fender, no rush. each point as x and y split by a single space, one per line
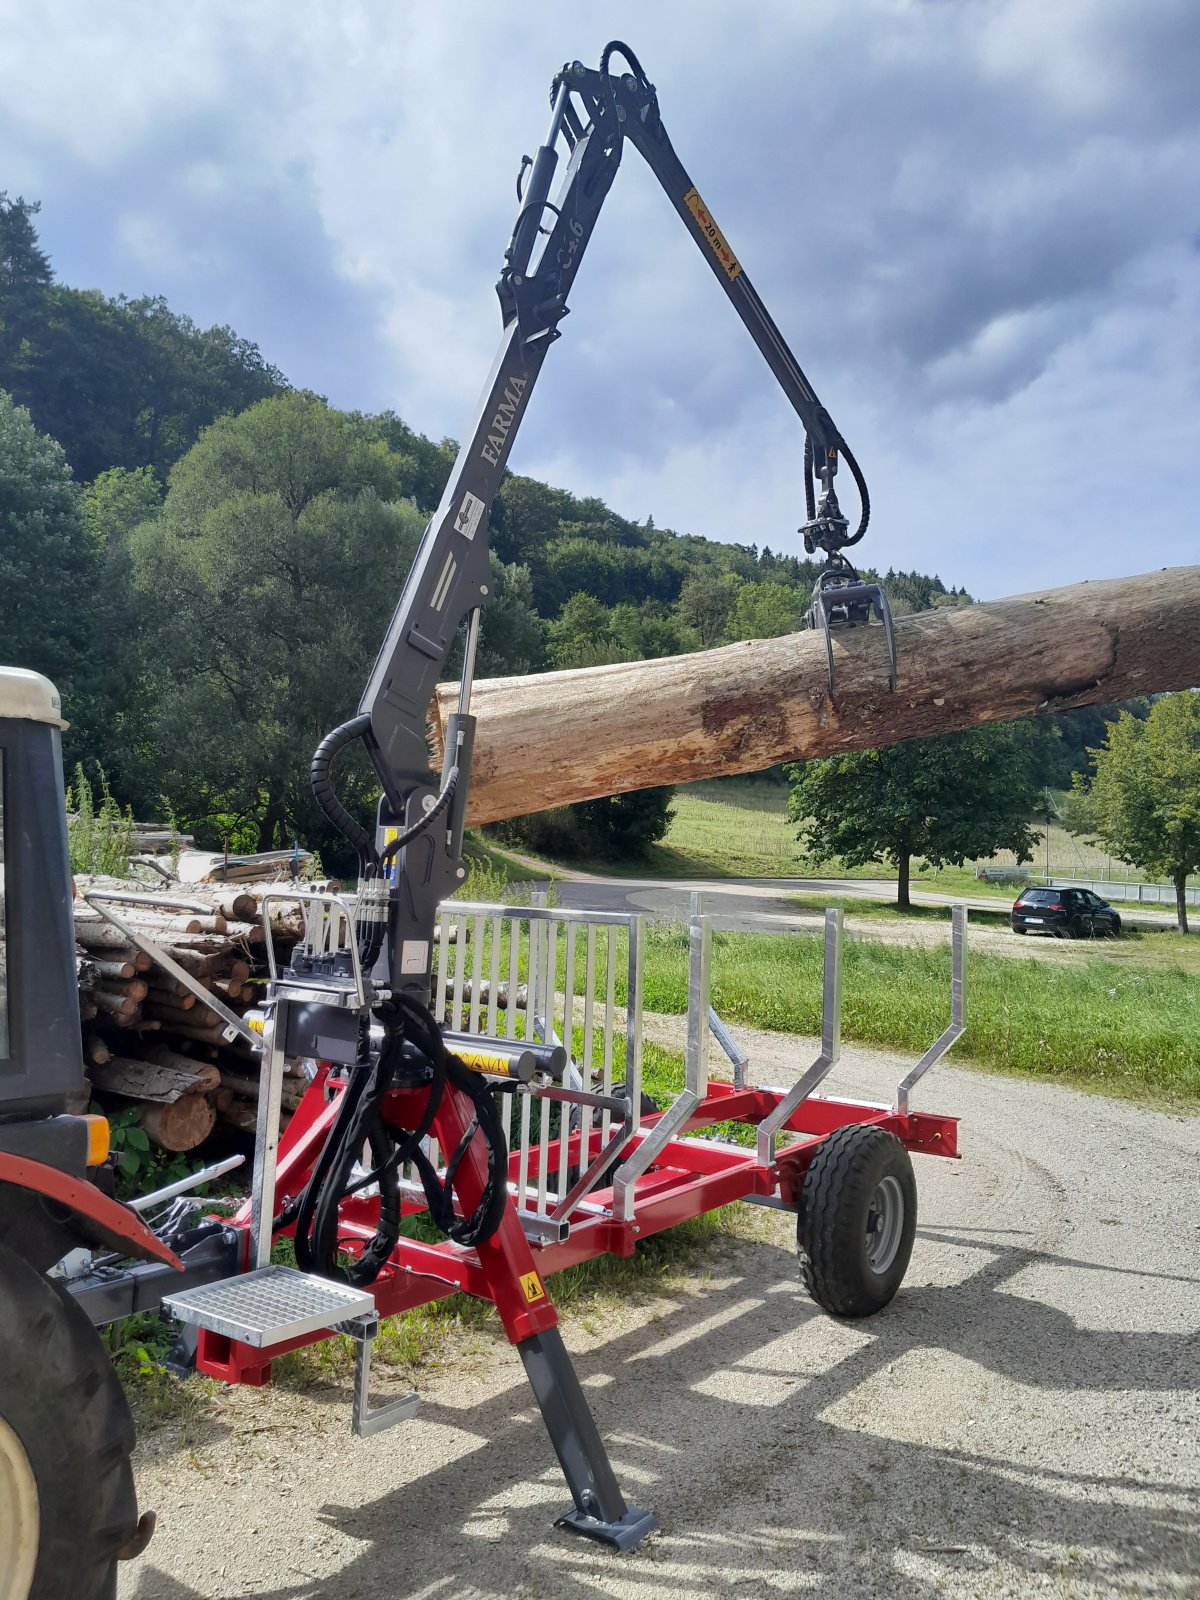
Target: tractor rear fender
32 1193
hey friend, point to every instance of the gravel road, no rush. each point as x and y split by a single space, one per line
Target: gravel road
1022 1420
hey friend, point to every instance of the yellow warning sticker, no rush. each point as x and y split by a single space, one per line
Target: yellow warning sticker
482 1061
531 1286
729 262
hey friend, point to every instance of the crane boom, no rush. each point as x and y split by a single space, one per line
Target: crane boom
419 835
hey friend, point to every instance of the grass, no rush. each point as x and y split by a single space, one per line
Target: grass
1122 1015
1096 1022
729 828
491 871
738 828
1126 1022
886 910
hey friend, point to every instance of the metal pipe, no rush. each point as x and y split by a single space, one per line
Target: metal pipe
468 672
146 1202
537 191
831 1042
958 1008
266 1136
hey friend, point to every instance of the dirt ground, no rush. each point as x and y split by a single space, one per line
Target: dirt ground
1022 1420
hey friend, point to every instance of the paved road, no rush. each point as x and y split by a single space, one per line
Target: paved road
739 899
1023 1420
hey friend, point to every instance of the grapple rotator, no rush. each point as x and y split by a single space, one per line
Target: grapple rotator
840 598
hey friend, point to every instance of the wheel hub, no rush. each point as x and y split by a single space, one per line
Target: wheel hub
20 1521
885 1224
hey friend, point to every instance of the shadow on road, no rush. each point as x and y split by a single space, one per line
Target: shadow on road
748 1492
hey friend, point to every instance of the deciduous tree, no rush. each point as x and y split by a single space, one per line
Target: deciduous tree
49 567
1144 801
963 795
267 586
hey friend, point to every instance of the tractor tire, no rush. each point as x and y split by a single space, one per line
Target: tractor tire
858 1217
67 1501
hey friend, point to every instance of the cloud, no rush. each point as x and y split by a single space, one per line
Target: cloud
975 225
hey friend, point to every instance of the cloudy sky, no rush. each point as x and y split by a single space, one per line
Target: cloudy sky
977 224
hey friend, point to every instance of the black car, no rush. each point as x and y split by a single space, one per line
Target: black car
1069 913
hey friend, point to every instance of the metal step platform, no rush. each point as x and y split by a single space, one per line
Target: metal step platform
270 1305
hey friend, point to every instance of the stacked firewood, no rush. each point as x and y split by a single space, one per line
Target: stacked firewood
150 1043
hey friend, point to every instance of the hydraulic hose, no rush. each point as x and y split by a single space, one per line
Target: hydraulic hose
360 1122
323 791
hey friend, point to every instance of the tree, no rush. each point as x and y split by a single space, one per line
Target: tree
961 795
705 601
511 634
114 505
49 568
765 611
581 635
624 825
117 382
25 276
267 585
1144 801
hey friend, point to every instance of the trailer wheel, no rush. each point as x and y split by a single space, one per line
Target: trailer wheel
858 1216
67 1501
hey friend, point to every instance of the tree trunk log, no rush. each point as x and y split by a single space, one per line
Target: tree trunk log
182 1125
95 1051
243 1115
567 736
145 1080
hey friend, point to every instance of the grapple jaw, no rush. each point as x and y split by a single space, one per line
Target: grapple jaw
842 599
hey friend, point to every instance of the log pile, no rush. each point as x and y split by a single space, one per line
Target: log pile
148 1042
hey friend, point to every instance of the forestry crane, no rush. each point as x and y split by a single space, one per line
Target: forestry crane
356 998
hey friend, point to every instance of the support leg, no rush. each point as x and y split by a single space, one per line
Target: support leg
600 1510
530 1322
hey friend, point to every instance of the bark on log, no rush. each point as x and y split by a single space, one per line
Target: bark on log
192 1016
132 1079
116 1005
243 1116
235 904
116 969
566 736
250 1088
94 933
165 991
204 1035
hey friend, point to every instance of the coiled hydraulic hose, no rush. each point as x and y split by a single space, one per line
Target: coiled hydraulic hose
359 1122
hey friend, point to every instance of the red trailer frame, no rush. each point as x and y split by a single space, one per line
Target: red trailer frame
690 1176
607 1176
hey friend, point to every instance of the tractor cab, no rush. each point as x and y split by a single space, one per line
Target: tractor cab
41 1060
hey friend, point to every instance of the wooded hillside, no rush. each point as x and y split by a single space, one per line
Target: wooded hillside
204 560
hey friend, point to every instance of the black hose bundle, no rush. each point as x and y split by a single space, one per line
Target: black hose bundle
359 1123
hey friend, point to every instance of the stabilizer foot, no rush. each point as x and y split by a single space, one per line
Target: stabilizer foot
624 1534
600 1510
